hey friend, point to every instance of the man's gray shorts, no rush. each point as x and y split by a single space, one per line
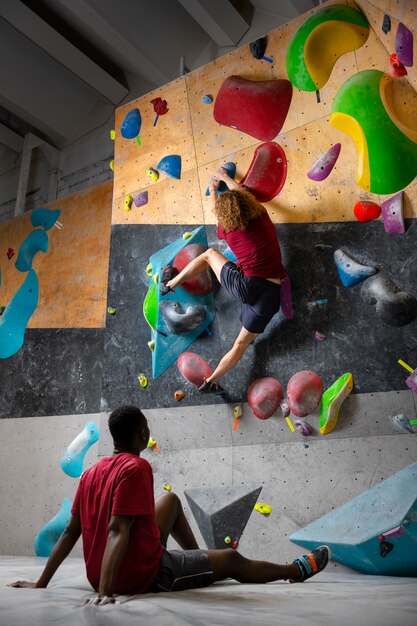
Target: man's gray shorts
183 569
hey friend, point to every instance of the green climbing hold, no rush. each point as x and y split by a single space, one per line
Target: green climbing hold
150 307
332 400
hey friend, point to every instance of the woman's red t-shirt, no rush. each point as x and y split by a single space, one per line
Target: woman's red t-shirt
120 485
256 248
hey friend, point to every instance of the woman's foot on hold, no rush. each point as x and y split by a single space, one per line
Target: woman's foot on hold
168 274
214 388
312 563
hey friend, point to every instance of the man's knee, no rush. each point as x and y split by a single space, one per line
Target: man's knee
171 499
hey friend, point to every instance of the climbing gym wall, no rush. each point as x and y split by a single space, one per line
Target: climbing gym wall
88 347
336 327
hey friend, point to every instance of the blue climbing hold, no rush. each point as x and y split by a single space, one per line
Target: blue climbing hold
229 254
230 168
207 99
131 124
350 271
17 314
73 459
35 241
44 217
170 165
49 534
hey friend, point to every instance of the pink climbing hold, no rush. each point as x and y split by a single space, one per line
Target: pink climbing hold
255 107
324 165
264 397
365 210
194 368
267 173
201 285
286 298
304 391
392 214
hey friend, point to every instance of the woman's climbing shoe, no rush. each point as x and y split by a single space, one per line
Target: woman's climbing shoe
213 388
312 563
168 274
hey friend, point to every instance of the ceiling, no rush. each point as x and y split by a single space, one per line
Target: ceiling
68 63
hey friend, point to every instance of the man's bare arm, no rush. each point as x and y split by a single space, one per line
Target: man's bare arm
61 550
117 542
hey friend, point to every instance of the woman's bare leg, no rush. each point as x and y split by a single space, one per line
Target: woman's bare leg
210 258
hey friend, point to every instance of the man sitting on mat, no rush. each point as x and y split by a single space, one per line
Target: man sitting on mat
125 531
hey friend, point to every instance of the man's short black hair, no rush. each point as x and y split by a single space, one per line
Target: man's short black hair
124 422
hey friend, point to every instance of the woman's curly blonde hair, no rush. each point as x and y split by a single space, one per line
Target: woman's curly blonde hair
235 208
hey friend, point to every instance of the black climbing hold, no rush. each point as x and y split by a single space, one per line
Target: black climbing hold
386 24
318 96
396 308
385 548
179 321
258 47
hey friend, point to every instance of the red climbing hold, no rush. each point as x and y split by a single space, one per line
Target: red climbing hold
193 368
258 108
365 211
159 106
10 253
267 173
396 68
200 285
304 391
264 397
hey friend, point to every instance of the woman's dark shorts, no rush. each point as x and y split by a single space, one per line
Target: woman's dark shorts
183 569
260 298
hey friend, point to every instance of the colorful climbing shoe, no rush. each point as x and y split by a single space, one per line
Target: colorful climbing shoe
332 400
213 388
168 274
312 563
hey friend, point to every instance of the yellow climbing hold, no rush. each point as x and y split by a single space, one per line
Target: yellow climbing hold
112 135
167 487
331 401
155 278
237 412
111 310
111 165
151 345
263 508
128 202
227 539
154 174
152 443
187 235
143 381
149 269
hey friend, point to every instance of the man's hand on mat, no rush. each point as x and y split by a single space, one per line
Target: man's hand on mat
101 600
23 583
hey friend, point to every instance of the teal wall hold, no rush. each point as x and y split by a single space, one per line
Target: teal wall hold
16 316
49 534
35 241
376 532
44 217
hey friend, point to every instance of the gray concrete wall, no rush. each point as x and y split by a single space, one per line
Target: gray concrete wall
198 448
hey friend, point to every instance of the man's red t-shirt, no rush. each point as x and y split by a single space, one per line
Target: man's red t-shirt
256 248
120 485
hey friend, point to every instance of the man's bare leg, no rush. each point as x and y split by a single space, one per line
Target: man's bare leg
171 520
231 564
210 258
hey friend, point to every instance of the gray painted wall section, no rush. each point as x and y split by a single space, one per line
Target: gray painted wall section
198 448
